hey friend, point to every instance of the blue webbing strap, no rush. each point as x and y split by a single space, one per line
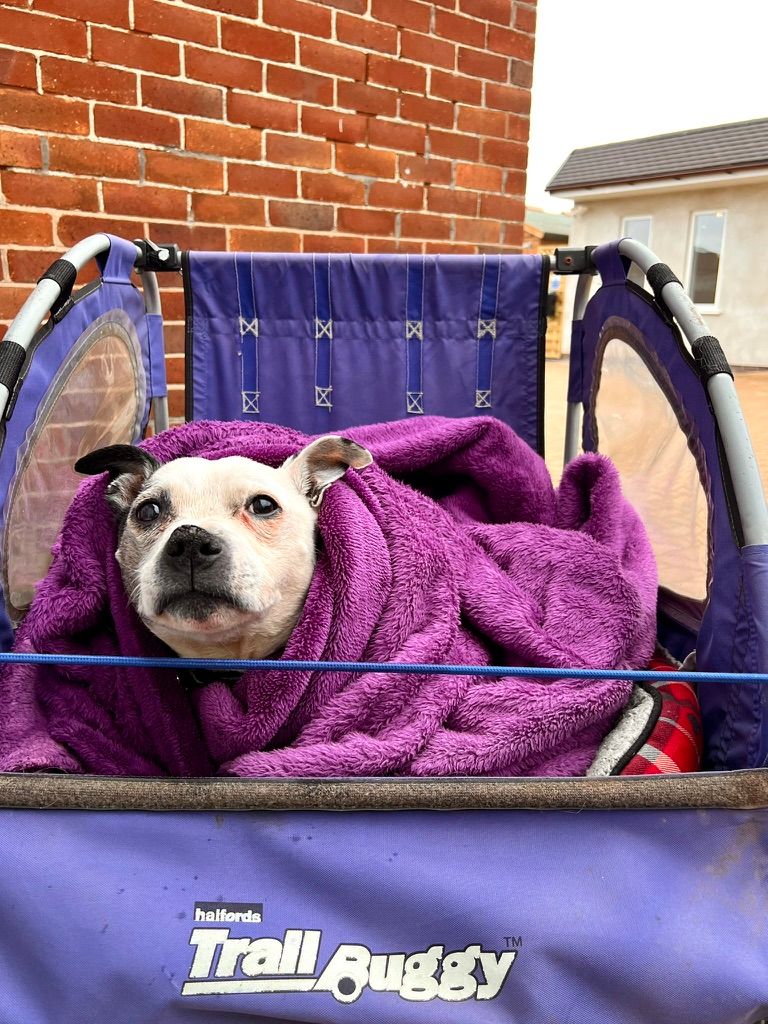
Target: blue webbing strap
486 330
414 335
321 269
401 668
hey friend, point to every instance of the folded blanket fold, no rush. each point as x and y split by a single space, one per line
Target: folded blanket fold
452 548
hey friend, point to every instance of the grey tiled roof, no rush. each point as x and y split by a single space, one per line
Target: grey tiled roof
723 147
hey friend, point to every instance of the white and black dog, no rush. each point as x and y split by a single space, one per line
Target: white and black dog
217 555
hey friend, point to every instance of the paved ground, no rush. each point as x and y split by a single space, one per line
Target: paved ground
752 386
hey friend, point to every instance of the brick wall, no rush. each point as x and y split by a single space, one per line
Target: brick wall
341 125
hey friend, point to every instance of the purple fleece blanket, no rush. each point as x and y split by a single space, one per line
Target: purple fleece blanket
452 548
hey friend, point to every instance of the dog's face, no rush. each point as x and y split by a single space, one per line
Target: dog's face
217 556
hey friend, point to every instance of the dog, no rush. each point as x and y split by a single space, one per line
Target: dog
217 555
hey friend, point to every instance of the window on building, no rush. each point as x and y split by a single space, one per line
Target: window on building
638 228
706 254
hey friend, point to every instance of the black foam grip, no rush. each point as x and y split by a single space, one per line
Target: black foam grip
659 275
64 274
11 360
710 358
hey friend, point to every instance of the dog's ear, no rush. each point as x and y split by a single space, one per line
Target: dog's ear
128 467
316 467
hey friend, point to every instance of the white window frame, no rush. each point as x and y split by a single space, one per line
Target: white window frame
638 216
706 307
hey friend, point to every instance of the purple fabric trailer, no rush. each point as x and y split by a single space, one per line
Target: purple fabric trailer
324 342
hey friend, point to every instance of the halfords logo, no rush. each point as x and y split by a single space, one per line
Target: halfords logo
223 964
219 913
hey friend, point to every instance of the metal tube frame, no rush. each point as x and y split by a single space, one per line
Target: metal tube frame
27 322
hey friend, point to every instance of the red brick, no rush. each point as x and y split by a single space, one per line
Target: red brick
173 298
427 49
370 35
80 156
525 18
310 19
332 243
455 248
50 190
366 222
424 225
455 87
488 231
478 176
518 128
515 183
89 81
174 369
502 208
136 125
11 299
514 44
144 200
285 149
54 35
173 334
453 145
392 245
505 97
459 29
434 112
521 73
189 236
342 61
29 264
176 403
451 200
222 140
398 74
96 11
18 69
483 65
304 216
26 228
257 41
332 188
374 163
18 150
479 121
133 50
223 69
405 13
73 228
187 171
263 241
396 196
262 113
414 168
242 8
396 135
355 6
181 97
499 11
300 85
508 154
168 19
228 209
367 98
268 181
333 124
49 113
513 235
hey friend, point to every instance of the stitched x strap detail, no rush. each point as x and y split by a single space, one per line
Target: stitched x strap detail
250 401
415 401
323 328
482 399
414 329
486 327
249 326
323 398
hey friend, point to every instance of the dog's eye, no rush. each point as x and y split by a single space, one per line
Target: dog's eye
147 512
262 505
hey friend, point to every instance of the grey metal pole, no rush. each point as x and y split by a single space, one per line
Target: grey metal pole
745 473
153 306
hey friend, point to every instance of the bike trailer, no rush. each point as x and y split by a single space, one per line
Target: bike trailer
641 896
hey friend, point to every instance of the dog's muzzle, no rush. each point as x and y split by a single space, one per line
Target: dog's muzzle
193 574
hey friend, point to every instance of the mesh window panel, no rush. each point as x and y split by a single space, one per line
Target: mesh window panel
638 427
96 399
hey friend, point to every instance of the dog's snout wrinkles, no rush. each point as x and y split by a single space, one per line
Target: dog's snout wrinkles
194 544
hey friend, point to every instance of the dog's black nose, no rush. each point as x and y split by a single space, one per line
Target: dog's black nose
193 544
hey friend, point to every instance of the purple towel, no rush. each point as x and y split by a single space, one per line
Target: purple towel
465 554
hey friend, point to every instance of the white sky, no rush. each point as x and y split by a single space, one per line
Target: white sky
608 70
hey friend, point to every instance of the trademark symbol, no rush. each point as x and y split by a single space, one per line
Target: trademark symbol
513 941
